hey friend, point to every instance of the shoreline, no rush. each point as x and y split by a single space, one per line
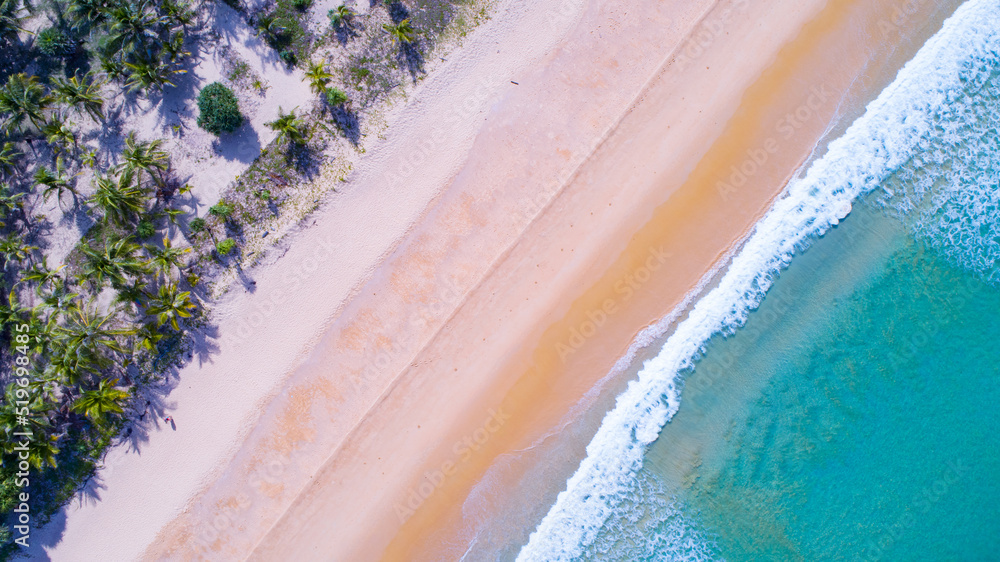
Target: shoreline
392 422
533 402
401 374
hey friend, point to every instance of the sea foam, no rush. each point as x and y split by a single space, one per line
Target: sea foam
959 59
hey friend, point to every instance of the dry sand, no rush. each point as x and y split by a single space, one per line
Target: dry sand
444 300
300 287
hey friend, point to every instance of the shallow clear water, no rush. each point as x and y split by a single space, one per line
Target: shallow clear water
855 415
854 411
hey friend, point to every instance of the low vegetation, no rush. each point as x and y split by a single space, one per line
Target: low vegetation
82 341
100 334
218 109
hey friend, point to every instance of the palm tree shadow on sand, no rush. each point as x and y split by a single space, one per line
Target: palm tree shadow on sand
412 59
347 122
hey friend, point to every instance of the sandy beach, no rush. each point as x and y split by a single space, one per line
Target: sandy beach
576 169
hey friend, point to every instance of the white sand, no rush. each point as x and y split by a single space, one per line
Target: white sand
299 289
424 255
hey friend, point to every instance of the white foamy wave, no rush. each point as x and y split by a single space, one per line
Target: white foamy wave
949 193
961 56
651 529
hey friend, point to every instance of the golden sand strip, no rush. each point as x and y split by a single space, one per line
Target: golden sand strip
530 275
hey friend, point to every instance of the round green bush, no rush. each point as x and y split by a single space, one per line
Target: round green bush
222 210
197 225
55 43
225 246
218 111
145 229
335 97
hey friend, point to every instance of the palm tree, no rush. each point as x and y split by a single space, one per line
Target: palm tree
70 364
10 18
288 127
10 202
402 31
8 157
39 328
43 450
23 98
10 421
87 332
54 181
132 27
174 47
113 67
340 16
132 294
170 304
101 401
41 447
58 133
146 156
268 25
59 298
120 198
178 12
318 77
41 274
83 95
147 337
168 257
150 74
12 312
172 214
14 248
116 261
88 13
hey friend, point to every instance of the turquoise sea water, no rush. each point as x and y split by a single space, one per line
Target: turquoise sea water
855 416
837 395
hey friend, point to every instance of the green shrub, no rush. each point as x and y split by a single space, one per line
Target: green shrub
264 194
55 43
335 96
145 229
239 71
218 111
301 5
197 225
221 209
288 56
225 246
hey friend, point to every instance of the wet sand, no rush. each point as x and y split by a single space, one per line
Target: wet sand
694 162
599 191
